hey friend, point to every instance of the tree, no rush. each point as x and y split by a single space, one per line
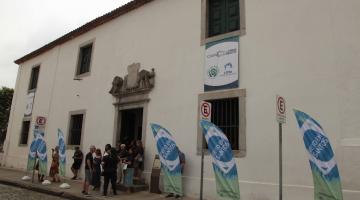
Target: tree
6 95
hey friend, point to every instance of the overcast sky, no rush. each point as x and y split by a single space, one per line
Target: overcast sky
27 25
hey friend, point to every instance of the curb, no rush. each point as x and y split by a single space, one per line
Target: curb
42 190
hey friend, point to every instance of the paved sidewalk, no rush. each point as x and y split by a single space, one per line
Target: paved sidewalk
13 177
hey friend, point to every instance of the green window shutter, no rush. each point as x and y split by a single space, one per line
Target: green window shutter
233 13
217 17
223 16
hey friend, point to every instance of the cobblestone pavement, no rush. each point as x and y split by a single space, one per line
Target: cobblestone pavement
13 177
14 193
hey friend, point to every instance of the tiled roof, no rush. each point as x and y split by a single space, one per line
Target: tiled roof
85 28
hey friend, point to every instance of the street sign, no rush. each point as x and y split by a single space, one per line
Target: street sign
205 110
281 119
40 121
280 109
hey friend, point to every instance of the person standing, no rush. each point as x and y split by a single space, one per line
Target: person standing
109 164
37 166
129 171
96 170
138 159
88 170
122 154
182 165
54 169
78 158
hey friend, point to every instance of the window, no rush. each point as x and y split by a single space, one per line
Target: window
225 115
34 77
223 16
221 19
76 124
84 59
228 113
24 135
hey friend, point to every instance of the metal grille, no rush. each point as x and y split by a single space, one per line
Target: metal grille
225 114
75 130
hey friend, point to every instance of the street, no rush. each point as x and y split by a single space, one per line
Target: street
14 193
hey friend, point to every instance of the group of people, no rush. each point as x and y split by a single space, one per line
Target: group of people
121 164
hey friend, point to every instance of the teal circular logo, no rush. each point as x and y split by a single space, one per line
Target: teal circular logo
213 71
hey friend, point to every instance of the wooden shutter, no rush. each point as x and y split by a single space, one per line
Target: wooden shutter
232 19
217 17
223 16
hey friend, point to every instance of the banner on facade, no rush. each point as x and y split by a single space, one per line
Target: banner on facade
38 151
227 184
62 152
169 158
327 184
29 103
221 64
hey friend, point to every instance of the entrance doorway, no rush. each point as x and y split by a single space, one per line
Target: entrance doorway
131 125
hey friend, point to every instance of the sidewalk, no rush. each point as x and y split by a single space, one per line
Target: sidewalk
13 177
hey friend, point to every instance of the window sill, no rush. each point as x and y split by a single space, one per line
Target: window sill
222 36
80 76
236 153
31 91
22 145
72 147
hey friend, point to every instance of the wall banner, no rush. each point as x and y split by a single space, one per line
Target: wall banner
29 103
327 184
222 64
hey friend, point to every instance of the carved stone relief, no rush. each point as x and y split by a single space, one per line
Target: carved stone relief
134 82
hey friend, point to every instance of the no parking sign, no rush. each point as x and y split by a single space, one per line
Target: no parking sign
205 110
280 109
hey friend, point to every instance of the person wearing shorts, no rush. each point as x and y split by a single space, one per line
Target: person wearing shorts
78 157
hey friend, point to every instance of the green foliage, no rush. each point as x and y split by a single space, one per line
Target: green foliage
6 95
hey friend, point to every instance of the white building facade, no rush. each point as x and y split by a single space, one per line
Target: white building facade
306 51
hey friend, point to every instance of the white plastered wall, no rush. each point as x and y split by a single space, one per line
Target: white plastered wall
306 51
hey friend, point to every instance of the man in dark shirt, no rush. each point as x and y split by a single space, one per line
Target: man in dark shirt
88 169
78 157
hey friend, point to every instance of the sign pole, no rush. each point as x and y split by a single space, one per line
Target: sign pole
281 119
202 169
205 114
280 162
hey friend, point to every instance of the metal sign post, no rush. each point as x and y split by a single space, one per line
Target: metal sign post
281 119
205 113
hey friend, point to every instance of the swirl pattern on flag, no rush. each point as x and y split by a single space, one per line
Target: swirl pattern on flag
62 152
325 172
169 158
227 184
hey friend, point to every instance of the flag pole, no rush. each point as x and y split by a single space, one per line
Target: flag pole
202 169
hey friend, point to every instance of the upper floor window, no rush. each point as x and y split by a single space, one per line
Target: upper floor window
223 16
34 77
222 19
84 59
